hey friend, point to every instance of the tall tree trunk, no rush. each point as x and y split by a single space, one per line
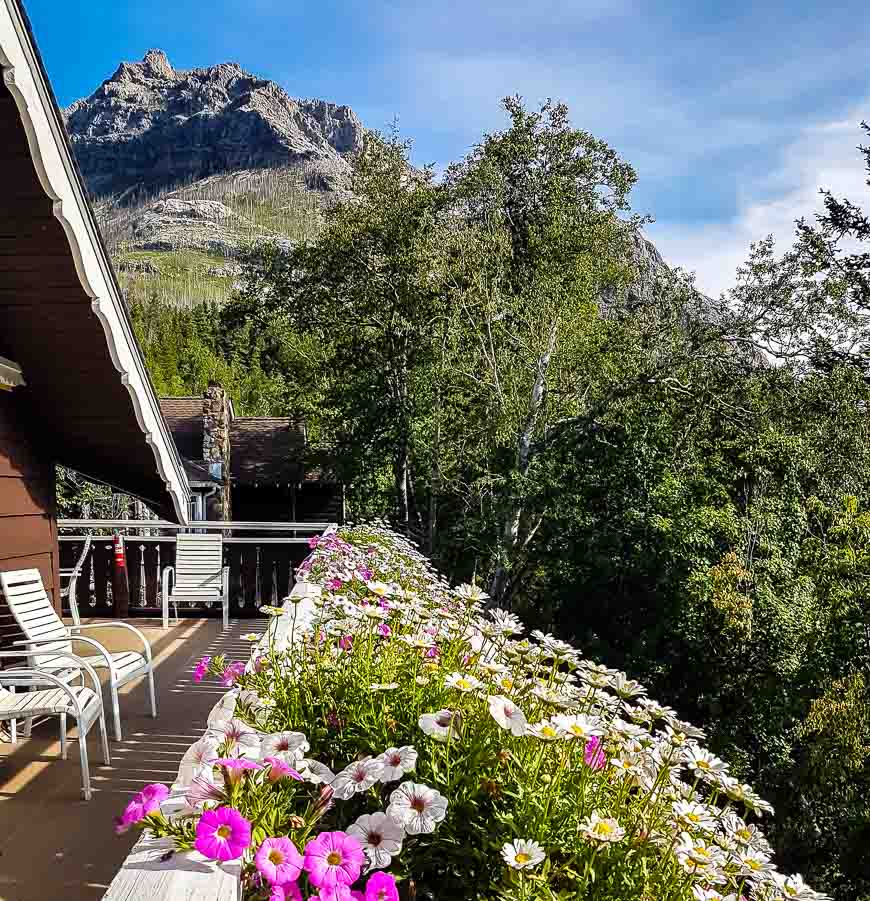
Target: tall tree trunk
434 478
501 587
400 465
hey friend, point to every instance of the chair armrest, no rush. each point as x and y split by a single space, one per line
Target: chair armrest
74 630
52 679
35 648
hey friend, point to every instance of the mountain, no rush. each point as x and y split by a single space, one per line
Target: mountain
188 167
150 127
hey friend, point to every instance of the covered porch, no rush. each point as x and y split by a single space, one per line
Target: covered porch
53 844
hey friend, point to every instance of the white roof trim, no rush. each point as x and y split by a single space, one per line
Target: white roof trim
22 73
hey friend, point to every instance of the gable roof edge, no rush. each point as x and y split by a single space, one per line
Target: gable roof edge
56 169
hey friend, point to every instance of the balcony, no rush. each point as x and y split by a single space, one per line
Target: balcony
261 557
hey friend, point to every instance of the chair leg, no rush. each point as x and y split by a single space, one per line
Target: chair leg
116 710
226 611
104 739
62 736
151 692
83 755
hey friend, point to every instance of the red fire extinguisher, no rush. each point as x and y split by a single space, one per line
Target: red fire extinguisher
120 555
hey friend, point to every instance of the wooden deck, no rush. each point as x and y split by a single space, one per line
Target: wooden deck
53 844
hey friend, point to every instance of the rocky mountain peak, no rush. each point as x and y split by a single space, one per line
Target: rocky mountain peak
152 126
156 65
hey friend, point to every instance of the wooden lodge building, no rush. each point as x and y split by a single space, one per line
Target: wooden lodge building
74 385
248 468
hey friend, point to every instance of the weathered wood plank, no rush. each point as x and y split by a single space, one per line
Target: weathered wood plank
146 876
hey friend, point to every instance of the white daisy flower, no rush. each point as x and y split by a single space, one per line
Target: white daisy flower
507 714
695 816
441 726
251 636
578 726
471 593
462 682
357 777
417 807
601 829
397 762
289 746
380 836
703 763
381 589
544 730
522 854
383 686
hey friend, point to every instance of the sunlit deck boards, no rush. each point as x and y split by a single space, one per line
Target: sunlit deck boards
52 844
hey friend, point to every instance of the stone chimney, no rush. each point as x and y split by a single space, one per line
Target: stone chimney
216 418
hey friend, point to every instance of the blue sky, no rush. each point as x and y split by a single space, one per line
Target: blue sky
732 113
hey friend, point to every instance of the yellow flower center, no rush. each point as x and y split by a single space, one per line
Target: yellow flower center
522 857
333 858
276 857
549 731
693 817
463 683
603 828
224 832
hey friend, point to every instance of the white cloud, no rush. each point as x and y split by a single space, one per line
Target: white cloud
821 156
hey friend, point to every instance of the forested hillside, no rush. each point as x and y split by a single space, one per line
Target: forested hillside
503 368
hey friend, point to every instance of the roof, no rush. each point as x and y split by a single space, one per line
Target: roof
62 315
184 417
266 450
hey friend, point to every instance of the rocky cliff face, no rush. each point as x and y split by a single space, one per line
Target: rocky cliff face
150 126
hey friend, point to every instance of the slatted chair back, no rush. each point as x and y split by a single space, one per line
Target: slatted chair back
199 560
31 607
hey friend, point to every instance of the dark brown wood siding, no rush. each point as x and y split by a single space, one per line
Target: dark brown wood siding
28 524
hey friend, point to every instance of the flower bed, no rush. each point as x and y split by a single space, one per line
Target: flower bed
402 742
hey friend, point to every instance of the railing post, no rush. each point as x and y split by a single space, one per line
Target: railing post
120 579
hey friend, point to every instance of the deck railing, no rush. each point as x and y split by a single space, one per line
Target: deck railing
262 561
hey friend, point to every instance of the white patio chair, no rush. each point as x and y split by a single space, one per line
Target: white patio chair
58 699
45 632
199 575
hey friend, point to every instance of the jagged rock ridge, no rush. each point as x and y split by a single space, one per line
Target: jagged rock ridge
150 127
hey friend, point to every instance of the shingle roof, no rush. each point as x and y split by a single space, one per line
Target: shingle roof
266 450
184 417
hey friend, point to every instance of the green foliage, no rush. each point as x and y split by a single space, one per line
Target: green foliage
681 485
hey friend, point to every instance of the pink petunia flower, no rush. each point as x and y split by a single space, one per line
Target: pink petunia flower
201 669
432 652
346 642
232 673
313 541
384 630
222 834
333 858
381 887
593 753
336 892
287 892
144 803
334 584
278 861
234 768
280 769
